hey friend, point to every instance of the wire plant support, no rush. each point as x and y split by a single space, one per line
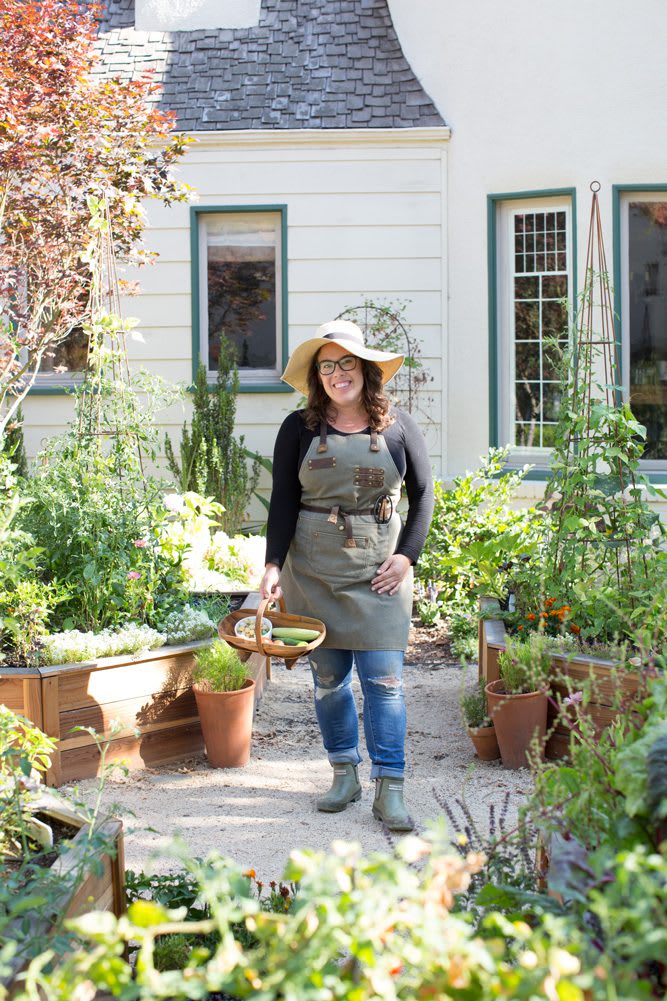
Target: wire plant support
601 510
107 372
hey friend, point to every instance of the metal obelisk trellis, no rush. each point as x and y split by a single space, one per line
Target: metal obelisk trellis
594 378
107 348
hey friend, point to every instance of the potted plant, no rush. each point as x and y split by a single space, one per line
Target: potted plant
517 701
225 701
480 727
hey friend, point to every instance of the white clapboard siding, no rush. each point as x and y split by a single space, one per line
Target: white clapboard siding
364 222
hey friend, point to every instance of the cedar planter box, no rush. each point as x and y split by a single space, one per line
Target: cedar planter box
607 680
97 891
150 692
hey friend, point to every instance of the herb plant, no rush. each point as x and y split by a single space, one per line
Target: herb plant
218 668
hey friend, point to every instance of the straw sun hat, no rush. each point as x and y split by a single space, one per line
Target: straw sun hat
347 335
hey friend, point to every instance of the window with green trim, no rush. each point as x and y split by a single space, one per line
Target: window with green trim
241 288
643 239
534 284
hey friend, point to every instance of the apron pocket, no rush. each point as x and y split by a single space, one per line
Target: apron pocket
332 560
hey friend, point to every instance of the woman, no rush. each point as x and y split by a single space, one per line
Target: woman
338 551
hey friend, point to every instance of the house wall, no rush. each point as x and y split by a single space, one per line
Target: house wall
366 215
538 96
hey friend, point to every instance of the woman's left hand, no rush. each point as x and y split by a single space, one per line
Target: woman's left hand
390 574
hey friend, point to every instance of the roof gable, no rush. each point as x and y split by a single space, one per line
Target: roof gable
331 64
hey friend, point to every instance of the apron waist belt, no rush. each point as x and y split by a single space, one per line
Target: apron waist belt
334 513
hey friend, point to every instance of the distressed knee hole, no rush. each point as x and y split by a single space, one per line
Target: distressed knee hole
391 682
321 693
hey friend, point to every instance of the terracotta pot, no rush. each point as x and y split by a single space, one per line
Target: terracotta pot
485 740
517 719
226 723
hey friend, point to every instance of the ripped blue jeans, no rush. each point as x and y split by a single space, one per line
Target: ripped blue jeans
380 673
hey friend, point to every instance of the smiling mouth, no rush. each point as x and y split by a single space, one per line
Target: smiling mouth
342 385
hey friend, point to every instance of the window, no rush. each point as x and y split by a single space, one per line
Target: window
240 266
531 284
642 283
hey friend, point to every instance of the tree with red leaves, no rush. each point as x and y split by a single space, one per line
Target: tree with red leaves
71 139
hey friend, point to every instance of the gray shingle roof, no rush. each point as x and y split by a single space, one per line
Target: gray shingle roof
333 64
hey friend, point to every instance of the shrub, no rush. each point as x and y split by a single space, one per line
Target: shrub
476 540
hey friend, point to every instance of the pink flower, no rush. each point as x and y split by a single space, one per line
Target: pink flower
139 543
133 575
571 699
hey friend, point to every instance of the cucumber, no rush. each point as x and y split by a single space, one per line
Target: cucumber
294 633
289 642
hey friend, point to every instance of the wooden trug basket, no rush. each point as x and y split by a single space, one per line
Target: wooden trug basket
278 618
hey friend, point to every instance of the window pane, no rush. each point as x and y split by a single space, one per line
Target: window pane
69 356
647 305
539 316
243 252
528 360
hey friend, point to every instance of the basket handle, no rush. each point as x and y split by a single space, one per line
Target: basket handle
261 608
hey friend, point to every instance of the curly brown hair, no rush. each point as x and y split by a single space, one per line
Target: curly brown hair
376 404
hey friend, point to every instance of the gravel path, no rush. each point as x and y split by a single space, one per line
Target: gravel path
258 814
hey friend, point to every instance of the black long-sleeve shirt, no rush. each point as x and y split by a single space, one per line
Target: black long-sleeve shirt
408 450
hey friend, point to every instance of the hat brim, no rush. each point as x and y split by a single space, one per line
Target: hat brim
298 367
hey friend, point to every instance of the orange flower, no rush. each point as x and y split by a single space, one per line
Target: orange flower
531 616
543 615
250 873
549 602
575 628
519 628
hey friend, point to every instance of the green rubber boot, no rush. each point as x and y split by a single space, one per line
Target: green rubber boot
345 789
388 805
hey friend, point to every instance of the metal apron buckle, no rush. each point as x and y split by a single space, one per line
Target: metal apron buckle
383 509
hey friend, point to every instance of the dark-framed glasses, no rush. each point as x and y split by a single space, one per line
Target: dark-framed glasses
328 367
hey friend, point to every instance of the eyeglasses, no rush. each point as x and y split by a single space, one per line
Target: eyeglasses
328 367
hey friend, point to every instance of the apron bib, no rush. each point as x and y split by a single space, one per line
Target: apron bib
353 483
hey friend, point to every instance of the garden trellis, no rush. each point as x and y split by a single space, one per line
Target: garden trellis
602 520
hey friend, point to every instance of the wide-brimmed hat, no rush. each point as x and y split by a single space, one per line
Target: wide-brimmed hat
347 335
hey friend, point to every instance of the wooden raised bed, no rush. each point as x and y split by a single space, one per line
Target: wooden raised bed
149 694
100 890
607 680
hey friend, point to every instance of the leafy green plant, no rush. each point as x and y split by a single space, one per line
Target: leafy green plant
94 512
474 707
362 927
213 462
477 542
525 663
13 444
218 668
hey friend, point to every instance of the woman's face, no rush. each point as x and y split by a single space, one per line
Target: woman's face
344 388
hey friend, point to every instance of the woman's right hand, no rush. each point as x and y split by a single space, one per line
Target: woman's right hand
270 584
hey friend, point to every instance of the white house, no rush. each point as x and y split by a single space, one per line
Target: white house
405 150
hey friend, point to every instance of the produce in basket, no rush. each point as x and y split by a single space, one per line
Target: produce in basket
245 628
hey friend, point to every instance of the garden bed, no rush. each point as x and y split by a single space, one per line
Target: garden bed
605 676
82 887
149 694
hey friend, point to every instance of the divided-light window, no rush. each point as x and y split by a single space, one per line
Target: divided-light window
241 293
534 286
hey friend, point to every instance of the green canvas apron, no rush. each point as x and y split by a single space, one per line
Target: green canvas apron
337 548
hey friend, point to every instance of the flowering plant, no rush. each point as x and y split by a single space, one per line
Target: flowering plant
211 559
